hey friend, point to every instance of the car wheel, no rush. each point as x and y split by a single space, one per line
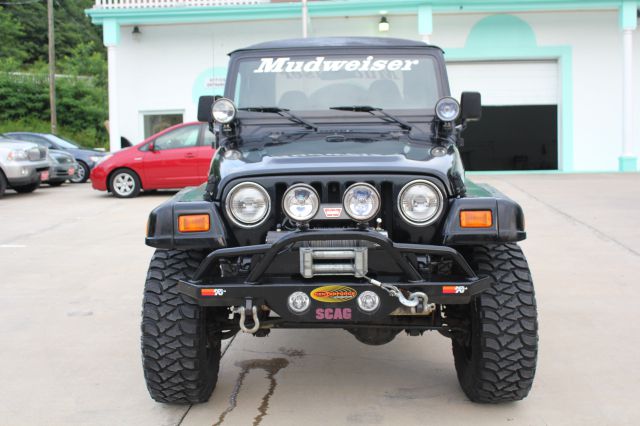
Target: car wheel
3 184
125 184
496 358
180 340
82 173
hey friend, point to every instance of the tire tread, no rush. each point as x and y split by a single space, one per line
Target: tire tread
172 325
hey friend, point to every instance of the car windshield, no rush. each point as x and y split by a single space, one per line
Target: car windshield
62 142
317 83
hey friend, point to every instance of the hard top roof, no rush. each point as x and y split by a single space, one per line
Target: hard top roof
324 42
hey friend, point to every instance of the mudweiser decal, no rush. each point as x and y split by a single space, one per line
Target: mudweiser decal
321 64
333 294
454 289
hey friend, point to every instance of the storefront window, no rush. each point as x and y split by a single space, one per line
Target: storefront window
156 122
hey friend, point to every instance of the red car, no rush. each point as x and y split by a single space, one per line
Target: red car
174 158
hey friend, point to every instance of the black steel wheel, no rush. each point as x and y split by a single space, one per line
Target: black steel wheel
180 344
496 359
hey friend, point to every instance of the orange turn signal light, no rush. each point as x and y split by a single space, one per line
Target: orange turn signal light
476 219
194 223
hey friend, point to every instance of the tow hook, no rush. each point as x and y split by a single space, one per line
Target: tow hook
242 310
417 301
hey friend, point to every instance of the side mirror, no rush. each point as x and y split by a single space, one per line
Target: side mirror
152 146
470 106
204 108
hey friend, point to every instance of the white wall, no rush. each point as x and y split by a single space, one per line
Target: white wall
157 70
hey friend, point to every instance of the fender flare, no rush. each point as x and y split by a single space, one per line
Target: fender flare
162 226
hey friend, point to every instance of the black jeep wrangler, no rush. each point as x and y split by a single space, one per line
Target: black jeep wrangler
337 199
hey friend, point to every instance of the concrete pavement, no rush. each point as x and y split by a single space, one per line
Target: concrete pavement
72 266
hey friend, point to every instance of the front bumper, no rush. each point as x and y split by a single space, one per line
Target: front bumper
24 172
262 289
98 178
61 173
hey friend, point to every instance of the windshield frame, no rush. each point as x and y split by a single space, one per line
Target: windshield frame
424 115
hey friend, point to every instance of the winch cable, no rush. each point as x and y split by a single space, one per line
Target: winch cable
413 301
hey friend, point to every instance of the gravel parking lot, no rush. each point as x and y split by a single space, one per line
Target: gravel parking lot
72 267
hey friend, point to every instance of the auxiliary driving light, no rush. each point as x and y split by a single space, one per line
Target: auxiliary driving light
301 202
223 111
368 301
447 109
361 202
298 302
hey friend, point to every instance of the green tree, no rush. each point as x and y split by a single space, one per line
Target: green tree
11 34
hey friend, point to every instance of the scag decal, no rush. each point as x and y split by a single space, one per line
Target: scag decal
319 64
333 313
213 292
333 293
332 211
454 289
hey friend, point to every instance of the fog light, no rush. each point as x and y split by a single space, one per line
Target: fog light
298 302
368 301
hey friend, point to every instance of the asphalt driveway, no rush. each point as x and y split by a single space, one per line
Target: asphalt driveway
72 267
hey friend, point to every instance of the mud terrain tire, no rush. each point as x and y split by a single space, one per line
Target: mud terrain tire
496 362
180 355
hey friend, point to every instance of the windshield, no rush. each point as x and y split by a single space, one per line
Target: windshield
62 142
317 83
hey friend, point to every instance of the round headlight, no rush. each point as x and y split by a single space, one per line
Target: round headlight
223 111
447 109
420 202
248 204
361 202
301 202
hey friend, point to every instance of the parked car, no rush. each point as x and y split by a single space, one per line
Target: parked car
22 165
87 158
63 167
174 158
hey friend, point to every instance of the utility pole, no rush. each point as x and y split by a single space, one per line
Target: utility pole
52 69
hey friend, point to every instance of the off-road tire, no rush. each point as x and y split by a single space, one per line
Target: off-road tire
180 355
496 361
25 189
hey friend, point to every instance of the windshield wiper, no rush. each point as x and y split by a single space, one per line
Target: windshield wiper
283 112
372 110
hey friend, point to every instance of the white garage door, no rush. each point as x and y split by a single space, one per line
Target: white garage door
507 83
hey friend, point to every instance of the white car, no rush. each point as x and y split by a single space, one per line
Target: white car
23 165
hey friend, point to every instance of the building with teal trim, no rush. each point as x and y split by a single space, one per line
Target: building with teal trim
560 79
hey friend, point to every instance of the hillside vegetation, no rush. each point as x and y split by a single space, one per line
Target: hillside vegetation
81 70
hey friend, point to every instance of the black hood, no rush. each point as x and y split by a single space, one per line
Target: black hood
333 154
